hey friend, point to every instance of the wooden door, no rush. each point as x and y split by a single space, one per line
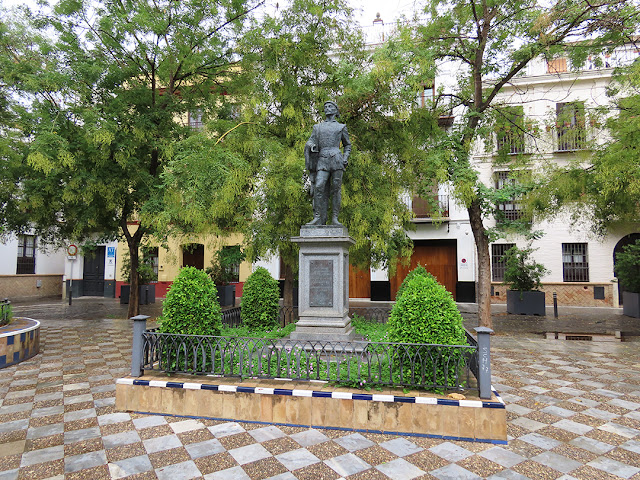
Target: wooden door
439 257
93 273
193 256
359 282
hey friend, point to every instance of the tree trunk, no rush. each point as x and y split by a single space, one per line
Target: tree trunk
134 295
484 264
287 295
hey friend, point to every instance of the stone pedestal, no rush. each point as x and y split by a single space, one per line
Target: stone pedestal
323 281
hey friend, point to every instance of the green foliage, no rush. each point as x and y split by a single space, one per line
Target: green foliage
191 306
426 313
418 271
522 274
221 269
260 301
6 313
146 273
291 68
627 267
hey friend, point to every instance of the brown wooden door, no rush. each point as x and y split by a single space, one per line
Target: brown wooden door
438 257
193 256
359 282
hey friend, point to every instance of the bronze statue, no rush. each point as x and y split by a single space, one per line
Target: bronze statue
326 163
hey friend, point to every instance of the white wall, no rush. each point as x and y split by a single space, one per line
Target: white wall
48 261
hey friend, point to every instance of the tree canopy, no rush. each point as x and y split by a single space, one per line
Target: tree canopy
486 45
109 87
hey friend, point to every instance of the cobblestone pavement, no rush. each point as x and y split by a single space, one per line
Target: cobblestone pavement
573 412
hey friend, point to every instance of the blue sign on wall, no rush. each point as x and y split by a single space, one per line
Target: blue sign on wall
111 252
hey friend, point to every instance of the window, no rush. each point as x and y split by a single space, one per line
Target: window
510 130
508 210
427 93
575 262
570 125
195 119
150 257
557 65
497 260
26 263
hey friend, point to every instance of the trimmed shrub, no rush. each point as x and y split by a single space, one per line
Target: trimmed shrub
427 313
191 306
260 300
420 271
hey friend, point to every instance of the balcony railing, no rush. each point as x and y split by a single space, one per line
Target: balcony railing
424 209
571 139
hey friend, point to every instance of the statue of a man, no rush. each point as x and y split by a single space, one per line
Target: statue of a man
326 164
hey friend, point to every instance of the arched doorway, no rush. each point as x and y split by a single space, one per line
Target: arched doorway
624 241
193 255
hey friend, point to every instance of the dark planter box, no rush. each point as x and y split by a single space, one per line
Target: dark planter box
147 294
525 303
631 304
226 295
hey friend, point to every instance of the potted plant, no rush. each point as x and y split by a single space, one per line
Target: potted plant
223 271
523 275
146 275
628 272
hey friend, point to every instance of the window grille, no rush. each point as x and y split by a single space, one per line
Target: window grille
575 262
151 257
195 119
510 131
571 131
26 261
497 260
509 210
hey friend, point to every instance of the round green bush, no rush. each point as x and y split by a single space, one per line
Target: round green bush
260 298
191 306
426 313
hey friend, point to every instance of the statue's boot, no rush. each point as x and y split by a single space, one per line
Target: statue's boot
319 205
336 202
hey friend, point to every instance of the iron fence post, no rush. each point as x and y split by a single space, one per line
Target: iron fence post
555 304
139 327
484 361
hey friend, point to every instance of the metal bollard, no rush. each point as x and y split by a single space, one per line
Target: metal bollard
555 304
484 361
139 327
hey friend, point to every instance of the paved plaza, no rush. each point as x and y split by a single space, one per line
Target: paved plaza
573 412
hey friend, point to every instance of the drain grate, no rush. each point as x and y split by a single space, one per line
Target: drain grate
601 337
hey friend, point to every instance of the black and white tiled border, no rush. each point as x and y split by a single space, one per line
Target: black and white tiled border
335 395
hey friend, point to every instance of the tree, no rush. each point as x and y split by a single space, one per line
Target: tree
492 43
606 190
293 62
109 89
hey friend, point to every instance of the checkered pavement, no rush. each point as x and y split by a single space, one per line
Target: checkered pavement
573 412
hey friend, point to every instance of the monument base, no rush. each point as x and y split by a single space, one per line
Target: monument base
323 294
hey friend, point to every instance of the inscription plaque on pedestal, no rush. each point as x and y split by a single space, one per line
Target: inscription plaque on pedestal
321 283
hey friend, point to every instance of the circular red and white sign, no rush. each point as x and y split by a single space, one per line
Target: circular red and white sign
72 250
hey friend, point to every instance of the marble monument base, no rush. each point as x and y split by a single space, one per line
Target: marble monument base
323 280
